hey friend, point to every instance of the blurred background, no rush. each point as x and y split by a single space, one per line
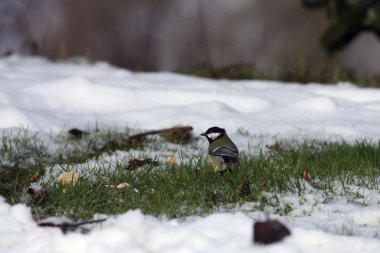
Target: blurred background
289 40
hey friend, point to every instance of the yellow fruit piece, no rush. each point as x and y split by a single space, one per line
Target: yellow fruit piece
70 177
171 160
119 186
122 185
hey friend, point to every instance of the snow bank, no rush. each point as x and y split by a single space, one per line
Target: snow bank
50 96
135 232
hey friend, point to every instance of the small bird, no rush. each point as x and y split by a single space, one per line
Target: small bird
222 152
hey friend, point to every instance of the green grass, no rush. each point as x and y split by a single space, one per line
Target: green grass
192 188
316 68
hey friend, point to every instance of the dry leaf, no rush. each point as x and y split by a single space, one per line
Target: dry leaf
122 185
119 186
305 175
136 163
77 132
274 147
245 188
36 192
34 178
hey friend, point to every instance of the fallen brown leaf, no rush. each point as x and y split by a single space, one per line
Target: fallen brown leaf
37 193
77 132
273 147
135 163
245 188
305 175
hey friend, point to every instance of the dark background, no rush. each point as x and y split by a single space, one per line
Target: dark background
177 35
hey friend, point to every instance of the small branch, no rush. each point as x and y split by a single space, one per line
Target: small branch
66 225
153 132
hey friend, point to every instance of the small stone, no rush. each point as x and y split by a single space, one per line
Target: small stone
269 231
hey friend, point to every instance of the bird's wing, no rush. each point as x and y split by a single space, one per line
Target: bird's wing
224 151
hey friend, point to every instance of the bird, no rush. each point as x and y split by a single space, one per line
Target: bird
222 152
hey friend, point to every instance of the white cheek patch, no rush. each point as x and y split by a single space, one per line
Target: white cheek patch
213 136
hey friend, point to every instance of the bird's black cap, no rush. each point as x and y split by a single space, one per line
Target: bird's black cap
214 129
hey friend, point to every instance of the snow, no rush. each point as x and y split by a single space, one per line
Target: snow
135 232
45 96
52 97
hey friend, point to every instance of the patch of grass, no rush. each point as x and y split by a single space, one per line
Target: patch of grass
21 149
232 72
71 149
316 68
14 182
22 155
192 187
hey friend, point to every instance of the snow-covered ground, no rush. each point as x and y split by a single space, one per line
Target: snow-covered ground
51 97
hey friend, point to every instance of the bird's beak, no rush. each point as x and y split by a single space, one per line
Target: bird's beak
203 134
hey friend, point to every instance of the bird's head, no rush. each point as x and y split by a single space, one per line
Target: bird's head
214 133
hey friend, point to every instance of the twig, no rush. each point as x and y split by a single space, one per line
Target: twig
137 136
66 225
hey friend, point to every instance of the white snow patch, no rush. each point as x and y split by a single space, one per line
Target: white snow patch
47 96
12 117
315 105
133 231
